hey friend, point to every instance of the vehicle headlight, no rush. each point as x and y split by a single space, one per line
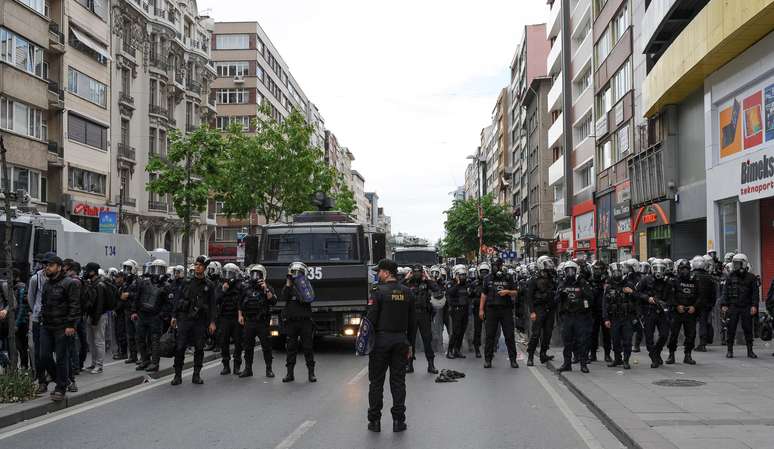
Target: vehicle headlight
351 320
274 333
349 332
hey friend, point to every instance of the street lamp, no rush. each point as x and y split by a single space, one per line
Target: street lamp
480 160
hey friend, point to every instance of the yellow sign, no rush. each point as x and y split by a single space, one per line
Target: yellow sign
710 245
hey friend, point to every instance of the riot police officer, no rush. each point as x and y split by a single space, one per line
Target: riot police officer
740 301
539 296
195 315
228 321
214 274
298 324
496 308
423 287
655 294
478 322
459 296
393 316
619 312
597 282
686 303
632 277
574 299
706 283
255 314
145 307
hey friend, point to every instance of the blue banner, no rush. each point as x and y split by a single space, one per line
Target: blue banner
108 222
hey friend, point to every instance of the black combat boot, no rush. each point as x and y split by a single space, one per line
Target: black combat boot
544 357
654 361
153 367
688 360
671 359
178 379
312 377
514 363
144 364
750 353
478 352
607 357
132 358
247 372
530 359
237 367
269 372
626 363
410 366
566 367
289 377
616 362
375 426
730 352
487 363
593 356
399 426
226 369
196 379
449 354
701 348
431 367
459 355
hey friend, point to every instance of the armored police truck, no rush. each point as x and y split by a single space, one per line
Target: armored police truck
337 252
407 256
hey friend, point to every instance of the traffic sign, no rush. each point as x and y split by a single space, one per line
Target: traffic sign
512 255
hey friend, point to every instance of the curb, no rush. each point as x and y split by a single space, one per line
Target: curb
606 420
77 399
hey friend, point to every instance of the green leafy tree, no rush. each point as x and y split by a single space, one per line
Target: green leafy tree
462 222
188 174
343 198
276 172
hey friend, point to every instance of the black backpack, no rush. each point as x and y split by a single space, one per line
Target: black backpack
88 297
111 295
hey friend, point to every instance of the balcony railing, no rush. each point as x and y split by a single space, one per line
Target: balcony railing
157 62
126 152
127 48
157 205
126 201
194 86
158 110
124 97
55 148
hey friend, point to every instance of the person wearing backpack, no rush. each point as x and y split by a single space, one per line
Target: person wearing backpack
147 303
95 316
78 343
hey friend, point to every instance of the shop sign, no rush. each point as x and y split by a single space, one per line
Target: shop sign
605 229
623 205
756 176
562 246
88 210
624 225
584 226
653 215
108 222
583 244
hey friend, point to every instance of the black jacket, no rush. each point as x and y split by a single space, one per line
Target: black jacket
660 289
100 297
686 292
255 302
197 301
540 293
741 290
391 310
295 309
229 299
616 304
61 302
146 297
493 284
422 291
574 296
459 295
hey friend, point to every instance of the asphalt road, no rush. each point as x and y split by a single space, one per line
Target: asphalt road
495 408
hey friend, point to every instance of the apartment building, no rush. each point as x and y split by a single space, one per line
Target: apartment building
361 202
161 81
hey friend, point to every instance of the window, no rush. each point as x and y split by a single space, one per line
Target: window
583 128
224 123
27 180
85 181
37 5
621 82
728 226
583 177
602 48
125 131
23 119
86 87
583 82
232 42
622 139
620 24
227 234
93 48
19 52
125 81
154 93
86 132
98 7
152 141
233 96
233 68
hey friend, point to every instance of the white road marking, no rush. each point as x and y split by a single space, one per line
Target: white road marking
584 433
358 376
57 416
291 439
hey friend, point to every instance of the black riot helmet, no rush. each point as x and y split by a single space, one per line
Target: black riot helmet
684 269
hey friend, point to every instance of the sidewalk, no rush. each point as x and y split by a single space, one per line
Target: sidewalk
116 376
733 408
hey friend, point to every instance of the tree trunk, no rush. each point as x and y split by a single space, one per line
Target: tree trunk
187 213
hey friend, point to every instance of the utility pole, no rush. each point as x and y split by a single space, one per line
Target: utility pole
187 218
7 274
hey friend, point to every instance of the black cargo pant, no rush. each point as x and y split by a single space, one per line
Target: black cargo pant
576 329
424 321
148 336
655 322
459 317
735 315
256 326
390 351
621 331
131 334
230 329
541 330
303 330
687 322
190 333
501 316
597 326
478 324
706 330
120 331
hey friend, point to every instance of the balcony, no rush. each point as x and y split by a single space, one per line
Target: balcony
126 99
126 152
191 128
55 97
157 110
55 155
556 171
559 211
126 201
555 95
128 50
195 87
156 62
157 205
601 126
552 26
553 62
56 40
555 132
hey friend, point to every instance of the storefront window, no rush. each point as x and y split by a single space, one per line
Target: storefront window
728 226
659 241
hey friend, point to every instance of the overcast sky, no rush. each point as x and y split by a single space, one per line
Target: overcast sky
405 85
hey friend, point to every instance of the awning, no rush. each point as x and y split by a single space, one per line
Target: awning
91 43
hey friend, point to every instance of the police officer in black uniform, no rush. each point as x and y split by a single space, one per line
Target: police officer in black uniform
393 316
708 291
632 277
740 302
619 312
459 296
540 292
597 280
195 315
655 294
574 299
148 301
422 286
298 324
686 303
228 321
483 271
496 308
255 314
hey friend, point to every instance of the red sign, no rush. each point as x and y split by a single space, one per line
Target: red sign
88 210
220 250
650 218
562 246
623 239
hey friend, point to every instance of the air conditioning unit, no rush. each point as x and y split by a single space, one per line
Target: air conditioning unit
239 79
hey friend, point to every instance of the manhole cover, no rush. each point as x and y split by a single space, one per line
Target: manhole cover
679 383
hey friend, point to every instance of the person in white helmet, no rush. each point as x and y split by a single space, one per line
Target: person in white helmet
740 301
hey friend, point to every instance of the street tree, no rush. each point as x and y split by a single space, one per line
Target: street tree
276 172
188 174
462 225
